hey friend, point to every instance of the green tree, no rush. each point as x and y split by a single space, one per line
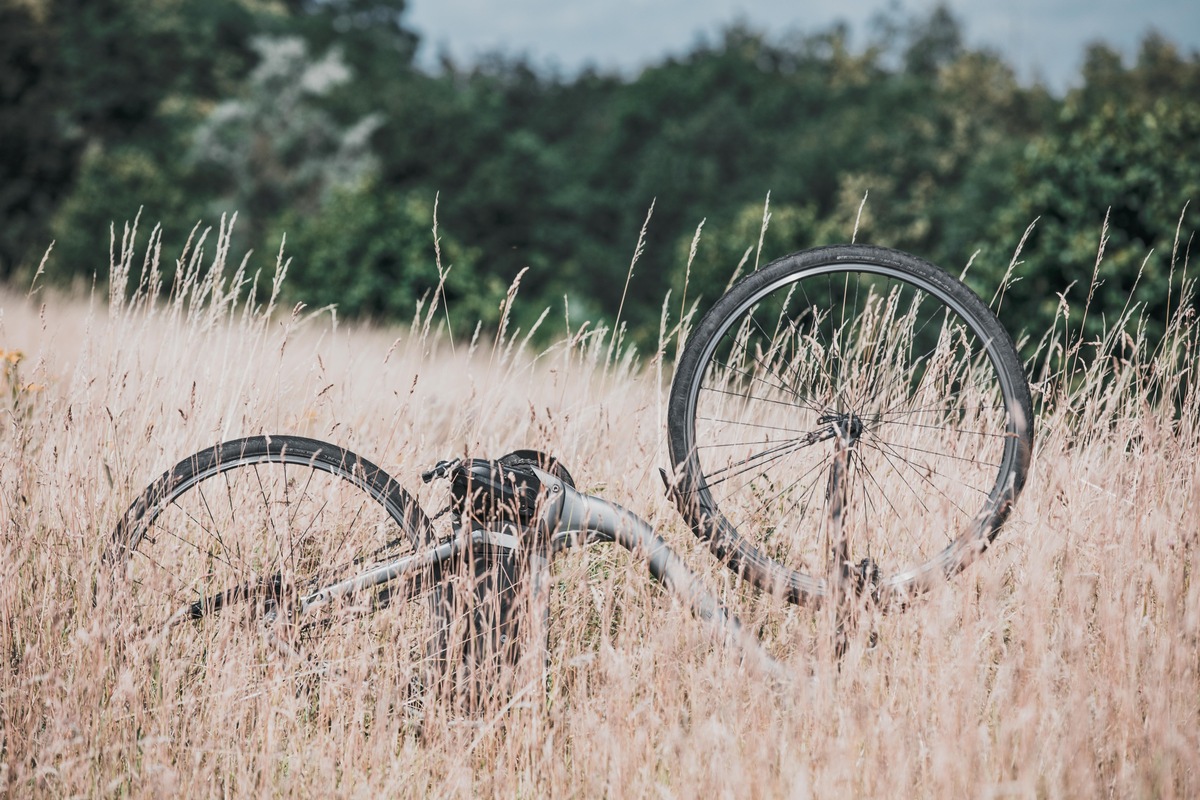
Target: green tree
37 154
94 91
274 148
371 253
112 105
84 79
1125 149
370 34
114 185
730 247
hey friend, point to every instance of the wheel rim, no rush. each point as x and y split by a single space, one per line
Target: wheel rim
222 561
890 366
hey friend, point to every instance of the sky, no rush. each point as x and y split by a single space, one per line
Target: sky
1040 39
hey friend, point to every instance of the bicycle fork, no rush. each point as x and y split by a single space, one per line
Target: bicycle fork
850 586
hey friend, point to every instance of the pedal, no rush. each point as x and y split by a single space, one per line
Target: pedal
673 492
866 576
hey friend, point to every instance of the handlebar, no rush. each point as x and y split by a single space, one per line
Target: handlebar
550 515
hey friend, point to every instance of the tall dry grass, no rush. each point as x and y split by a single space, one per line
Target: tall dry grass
1065 663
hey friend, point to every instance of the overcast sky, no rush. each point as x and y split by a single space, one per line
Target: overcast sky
1040 38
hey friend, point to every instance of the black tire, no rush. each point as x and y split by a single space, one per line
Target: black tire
881 352
230 538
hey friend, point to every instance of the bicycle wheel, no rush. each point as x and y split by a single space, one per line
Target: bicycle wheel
855 395
223 550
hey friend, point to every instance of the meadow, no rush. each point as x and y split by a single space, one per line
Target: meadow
1066 663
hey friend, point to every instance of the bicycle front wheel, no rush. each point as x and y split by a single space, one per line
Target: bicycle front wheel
856 393
223 550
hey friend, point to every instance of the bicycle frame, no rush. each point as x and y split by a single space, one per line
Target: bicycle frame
567 518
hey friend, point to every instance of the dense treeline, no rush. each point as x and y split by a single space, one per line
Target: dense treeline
310 118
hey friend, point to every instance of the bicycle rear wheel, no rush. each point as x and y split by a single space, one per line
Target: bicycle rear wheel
221 551
852 383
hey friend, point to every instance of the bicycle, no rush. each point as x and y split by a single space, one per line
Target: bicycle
846 424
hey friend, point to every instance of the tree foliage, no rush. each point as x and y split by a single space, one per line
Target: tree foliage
310 118
373 253
1120 163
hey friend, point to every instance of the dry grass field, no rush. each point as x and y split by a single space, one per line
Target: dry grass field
1064 664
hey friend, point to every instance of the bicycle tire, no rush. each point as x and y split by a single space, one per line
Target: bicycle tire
842 368
228 532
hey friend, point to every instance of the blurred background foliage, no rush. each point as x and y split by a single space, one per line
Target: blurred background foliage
311 119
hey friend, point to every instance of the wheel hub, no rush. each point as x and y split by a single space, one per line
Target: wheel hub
849 426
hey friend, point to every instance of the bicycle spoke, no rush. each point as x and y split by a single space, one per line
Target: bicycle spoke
302 519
